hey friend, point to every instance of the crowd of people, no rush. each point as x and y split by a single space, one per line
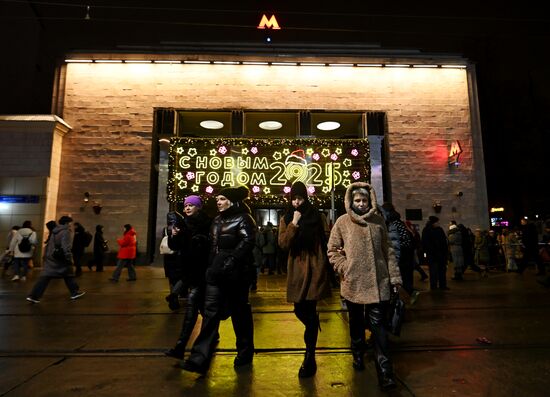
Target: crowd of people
214 263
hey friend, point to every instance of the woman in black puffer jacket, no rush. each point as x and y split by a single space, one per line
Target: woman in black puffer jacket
189 240
228 277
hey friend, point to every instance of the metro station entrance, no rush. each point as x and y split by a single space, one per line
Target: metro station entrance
201 152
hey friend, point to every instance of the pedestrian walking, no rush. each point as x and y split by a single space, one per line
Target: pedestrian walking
7 256
81 240
457 254
302 232
434 242
101 247
22 247
361 252
126 254
228 278
418 252
58 261
481 251
189 241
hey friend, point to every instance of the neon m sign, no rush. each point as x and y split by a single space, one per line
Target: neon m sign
270 23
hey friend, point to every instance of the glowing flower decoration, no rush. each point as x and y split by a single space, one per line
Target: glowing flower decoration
244 151
190 175
326 189
286 189
354 152
334 157
338 150
316 156
222 149
286 151
254 150
255 189
209 189
195 188
347 163
309 151
267 190
346 173
192 152
213 152
179 150
178 176
356 175
325 152
182 184
311 189
277 155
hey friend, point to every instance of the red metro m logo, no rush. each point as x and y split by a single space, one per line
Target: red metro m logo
270 23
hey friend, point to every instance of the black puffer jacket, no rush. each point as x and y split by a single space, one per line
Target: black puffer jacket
232 239
191 247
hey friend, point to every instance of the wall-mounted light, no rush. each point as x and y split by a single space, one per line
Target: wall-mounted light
86 197
437 206
97 208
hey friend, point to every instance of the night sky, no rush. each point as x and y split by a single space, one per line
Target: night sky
509 45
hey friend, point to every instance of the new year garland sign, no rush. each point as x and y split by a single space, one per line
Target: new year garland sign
268 167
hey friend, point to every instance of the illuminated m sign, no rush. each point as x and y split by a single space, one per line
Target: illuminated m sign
454 153
270 23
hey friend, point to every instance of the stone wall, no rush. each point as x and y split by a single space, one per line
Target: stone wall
110 107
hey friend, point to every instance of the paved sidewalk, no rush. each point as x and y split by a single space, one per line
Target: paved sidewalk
111 342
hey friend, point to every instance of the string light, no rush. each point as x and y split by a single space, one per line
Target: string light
210 159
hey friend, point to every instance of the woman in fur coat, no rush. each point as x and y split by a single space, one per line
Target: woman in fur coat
360 251
302 233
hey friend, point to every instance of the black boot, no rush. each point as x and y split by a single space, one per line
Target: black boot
309 366
173 302
358 362
387 382
177 351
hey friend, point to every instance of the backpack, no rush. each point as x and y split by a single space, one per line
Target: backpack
86 238
25 244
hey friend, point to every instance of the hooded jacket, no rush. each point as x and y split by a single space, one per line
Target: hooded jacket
18 237
361 252
61 237
128 244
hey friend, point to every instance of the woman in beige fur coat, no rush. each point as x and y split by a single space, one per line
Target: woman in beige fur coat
361 252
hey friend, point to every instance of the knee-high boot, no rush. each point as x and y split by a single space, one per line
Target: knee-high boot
310 319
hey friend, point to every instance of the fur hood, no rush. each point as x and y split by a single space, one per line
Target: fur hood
372 214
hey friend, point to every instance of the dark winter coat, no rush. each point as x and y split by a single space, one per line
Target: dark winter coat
232 241
455 245
79 244
60 236
99 245
434 243
191 247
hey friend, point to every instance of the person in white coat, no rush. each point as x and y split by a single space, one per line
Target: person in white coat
22 246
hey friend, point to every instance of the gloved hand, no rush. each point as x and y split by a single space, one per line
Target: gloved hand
229 265
395 289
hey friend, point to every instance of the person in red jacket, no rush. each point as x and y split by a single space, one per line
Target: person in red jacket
126 254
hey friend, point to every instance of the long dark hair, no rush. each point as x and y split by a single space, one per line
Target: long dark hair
311 231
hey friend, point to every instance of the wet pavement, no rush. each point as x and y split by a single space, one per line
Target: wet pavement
111 342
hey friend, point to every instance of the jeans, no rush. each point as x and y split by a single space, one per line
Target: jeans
20 266
129 263
43 281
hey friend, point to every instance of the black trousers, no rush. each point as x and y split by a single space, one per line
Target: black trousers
306 311
219 303
194 305
375 315
438 274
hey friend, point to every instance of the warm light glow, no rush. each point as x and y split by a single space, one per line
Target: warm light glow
456 149
393 65
497 209
270 125
78 60
270 23
155 61
211 124
370 65
108 61
255 63
425 66
284 63
328 125
454 66
312 64
341 64
226 63
197 62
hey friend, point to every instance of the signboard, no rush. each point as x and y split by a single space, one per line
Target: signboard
270 23
268 167
454 153
19 199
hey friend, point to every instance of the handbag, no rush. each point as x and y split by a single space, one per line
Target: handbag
164 249
58 254
396 314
